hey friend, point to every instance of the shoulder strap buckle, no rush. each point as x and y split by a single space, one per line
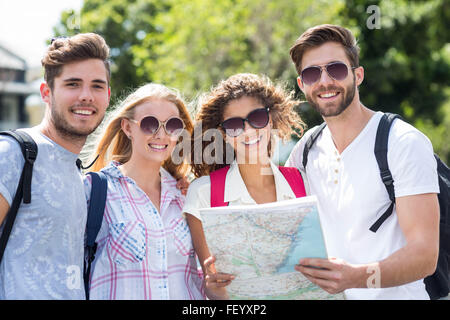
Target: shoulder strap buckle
30 155
386 176
91 250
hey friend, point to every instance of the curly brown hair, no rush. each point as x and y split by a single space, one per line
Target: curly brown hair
317 36
280 102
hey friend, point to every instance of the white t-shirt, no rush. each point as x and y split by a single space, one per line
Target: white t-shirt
44 256
352 196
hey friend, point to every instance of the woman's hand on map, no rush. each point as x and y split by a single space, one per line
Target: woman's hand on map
215 282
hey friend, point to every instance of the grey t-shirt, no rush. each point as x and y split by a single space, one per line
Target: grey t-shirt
44 255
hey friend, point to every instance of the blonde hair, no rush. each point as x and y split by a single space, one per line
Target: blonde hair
113 144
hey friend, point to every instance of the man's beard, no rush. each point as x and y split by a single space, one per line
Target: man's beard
65 129
332 112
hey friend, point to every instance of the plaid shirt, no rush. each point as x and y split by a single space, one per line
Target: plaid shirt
143 254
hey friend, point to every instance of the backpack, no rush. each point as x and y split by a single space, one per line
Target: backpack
437 284
292 176
94 222
23 191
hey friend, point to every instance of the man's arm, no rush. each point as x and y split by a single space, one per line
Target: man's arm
4 207
418 217
11 166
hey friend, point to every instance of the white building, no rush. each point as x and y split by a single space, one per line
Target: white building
14 90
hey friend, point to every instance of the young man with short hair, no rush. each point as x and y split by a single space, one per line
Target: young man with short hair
343 173
45 251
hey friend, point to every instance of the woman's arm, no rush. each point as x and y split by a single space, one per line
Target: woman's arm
198 240
215 283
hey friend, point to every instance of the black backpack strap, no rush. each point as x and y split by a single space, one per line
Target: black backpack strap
94 222
438 284
381 149
23 191
29 151
312 139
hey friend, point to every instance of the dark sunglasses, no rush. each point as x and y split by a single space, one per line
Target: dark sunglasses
258 119
336 70
150 125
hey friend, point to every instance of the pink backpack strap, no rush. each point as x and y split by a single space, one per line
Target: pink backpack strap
295 180
218 187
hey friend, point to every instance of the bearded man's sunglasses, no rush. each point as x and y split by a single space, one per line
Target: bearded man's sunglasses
336 70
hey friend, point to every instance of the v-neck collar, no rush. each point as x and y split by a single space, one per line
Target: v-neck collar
375 118
235 188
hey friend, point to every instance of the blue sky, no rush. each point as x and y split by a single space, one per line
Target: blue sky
26 24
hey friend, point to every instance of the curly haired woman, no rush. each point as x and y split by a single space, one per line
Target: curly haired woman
247 111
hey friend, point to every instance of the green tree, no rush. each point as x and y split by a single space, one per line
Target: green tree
205 41
193 44
406 62
128 28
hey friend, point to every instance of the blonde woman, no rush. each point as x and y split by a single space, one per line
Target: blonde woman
144 245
